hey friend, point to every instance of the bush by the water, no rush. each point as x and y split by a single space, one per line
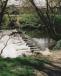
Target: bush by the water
29 19
5 21
58 45
26 19
58 24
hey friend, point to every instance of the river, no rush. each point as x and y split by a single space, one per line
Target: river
44 42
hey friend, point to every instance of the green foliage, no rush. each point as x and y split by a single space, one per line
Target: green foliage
14 67
25 20
58 45
31 19
5 21
57 26
21 66
58 19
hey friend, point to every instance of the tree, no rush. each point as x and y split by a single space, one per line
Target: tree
3 4
49 18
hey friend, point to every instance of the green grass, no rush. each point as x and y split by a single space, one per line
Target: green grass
22 66
14 67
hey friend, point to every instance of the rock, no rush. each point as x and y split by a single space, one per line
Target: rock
57 46
13 46
46 52
9 51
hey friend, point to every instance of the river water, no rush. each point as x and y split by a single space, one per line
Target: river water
44 42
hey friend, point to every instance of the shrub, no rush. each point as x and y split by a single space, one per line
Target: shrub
5 21
58 45
31 19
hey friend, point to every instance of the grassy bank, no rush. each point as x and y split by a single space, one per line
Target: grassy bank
22 66
14 67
